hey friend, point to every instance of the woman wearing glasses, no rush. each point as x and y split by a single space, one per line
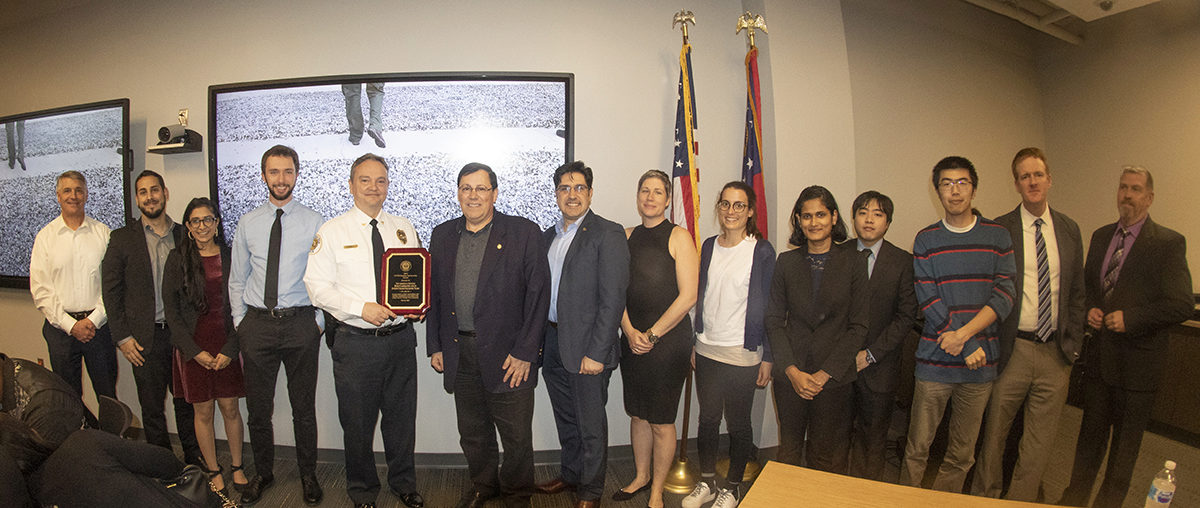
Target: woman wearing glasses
207 365
731 355
663 270
817 322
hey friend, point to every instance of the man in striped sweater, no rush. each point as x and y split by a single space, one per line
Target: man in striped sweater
963 270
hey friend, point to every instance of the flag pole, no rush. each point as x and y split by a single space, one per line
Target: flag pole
683 475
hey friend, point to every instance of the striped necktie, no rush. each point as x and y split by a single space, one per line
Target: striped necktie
1110 272
1043 283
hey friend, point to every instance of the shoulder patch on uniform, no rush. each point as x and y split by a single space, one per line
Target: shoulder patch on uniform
316 245
401 236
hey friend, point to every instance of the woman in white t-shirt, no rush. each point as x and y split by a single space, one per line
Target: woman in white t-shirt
731 355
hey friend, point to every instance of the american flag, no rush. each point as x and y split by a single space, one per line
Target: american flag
685 203
752 172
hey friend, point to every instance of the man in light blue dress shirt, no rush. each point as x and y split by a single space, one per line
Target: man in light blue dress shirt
277 324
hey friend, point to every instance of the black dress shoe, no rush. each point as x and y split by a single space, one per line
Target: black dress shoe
312 489
255 488
365 505
622 495
412 500
474 499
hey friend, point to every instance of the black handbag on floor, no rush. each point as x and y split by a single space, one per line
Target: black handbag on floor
192 484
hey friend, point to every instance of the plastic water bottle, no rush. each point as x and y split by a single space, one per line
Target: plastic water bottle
1162 489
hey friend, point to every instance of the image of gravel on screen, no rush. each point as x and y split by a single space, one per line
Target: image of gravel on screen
430 129
33 152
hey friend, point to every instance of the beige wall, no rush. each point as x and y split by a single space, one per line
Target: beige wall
1129 95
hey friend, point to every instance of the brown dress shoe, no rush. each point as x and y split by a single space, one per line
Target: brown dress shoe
554 486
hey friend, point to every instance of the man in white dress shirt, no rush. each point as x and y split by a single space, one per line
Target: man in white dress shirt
64 278
374 350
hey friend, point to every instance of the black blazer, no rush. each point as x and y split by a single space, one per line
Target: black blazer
591 292
823 333
511 299
128 284
1071 314
182 317
1154 292
891 312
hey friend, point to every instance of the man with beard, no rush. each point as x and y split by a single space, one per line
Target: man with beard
132 274
276 323
64 285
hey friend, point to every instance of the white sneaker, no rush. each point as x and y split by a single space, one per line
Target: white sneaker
725 499
700 495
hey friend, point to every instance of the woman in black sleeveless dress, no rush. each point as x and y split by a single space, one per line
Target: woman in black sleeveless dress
663 277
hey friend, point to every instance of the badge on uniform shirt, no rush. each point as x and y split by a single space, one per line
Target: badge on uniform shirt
316 245
403 237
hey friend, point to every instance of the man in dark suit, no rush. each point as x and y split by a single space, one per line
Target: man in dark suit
132 273
489 297
892 309
1041 337
1138 286
589 272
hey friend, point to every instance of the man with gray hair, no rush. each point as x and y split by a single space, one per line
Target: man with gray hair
1138 287
64 279
374 350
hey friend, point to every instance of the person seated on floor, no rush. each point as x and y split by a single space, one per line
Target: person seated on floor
120 473
42 400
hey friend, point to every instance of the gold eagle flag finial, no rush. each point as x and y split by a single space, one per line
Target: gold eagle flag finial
683 18
751 22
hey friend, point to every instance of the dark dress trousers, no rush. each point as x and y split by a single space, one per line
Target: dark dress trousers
824 332
129 299
591 299
509 314
1122 370
891 312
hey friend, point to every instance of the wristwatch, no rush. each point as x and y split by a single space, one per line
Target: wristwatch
650 336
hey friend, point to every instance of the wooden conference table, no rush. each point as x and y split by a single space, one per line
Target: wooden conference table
780 485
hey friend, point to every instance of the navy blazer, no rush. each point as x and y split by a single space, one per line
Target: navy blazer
591 292
1154 293
128 284
511 299
1071 314
891 312
182 317
824 333
762 268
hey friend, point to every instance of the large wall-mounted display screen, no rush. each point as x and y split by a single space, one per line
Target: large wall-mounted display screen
36 147
427 126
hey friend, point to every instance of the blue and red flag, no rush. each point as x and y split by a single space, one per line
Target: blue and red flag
752 171
685 201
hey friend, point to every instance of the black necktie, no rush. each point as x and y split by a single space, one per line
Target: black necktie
271 291
377 247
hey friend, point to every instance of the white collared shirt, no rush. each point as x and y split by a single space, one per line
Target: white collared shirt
1029 293
340 276
64 271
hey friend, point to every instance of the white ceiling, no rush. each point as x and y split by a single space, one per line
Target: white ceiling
1091 10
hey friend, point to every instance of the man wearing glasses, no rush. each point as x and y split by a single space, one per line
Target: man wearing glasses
489 296
132 272
963 269
589 272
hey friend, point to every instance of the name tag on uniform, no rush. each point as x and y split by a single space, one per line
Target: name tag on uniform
351 246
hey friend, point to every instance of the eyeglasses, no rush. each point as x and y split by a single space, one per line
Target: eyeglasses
466 189
566 189
738 206
947 183
203 221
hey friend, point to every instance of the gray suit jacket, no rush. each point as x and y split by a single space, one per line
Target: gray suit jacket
591 292
1071 312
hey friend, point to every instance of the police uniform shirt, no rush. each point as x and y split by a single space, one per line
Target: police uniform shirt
340 277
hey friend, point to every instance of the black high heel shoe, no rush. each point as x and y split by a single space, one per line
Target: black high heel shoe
236 485
213 473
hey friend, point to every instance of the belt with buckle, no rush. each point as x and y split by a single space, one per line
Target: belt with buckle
278 313
1030 336
553 324
160 324
81 314
378 332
